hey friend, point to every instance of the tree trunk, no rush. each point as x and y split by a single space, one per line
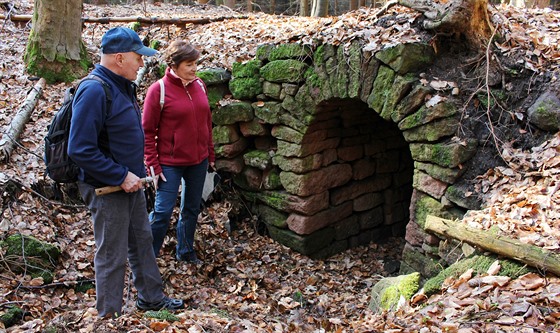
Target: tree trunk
466 17
230 3
55 50
272 7
526 253
354 4
320 8
249 6
304 8
17 125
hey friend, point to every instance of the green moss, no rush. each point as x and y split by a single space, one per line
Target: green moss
480 265
12 316
214 96
388 291
40 257
162 315
319 55
263 51
245 88
28 246
155 44
284 71
313 79
135 26
60 69
248 69
84 286
161 69
290 51
221 313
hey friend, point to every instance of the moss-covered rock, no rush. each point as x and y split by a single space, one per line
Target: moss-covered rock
354 64
245 88
426 115
258 159
401 86
448 175
306 245
11 316
544 112
225 134
233 113
457 193
449 155
214 76
271 216
480 265
290 51
28 254
416 261
432 131
271 179
289 71
273 90
263 51
386 293
269 112
406 58
426 205
381 88
249 69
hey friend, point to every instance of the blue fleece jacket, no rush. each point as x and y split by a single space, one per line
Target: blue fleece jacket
101 166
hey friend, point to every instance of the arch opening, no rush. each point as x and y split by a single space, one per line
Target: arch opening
349 179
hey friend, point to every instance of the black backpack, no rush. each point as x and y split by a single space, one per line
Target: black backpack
59 166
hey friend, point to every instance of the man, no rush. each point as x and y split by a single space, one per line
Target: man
107 143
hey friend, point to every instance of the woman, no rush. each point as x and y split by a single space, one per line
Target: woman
179 146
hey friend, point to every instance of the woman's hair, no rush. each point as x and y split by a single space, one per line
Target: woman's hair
179 51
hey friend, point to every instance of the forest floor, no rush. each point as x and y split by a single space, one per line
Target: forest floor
249 283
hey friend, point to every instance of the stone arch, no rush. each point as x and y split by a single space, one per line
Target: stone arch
305 129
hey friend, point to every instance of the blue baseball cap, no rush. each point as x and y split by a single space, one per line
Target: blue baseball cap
122 40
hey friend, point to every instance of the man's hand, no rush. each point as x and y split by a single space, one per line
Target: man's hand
132 183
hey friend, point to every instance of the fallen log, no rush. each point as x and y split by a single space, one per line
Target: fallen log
142 71
11 135
129 19
528 254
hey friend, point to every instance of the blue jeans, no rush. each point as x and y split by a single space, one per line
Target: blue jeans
192 179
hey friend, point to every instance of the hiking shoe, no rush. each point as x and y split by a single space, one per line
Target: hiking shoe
189 257
165 303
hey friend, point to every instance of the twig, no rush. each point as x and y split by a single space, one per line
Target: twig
57 284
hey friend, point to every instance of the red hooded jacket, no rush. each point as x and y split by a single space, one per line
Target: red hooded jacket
181 133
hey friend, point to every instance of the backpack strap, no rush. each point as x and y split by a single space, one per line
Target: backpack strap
161 93
201 85
108 96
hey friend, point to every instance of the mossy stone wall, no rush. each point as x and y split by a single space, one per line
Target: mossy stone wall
335 147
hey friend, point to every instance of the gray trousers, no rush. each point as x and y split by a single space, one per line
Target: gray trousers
122 231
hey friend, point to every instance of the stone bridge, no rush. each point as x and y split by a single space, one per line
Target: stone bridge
335 147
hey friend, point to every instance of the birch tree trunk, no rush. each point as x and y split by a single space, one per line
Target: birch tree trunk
55 50
320 8
17 125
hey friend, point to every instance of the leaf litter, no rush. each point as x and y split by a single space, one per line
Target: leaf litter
249 283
